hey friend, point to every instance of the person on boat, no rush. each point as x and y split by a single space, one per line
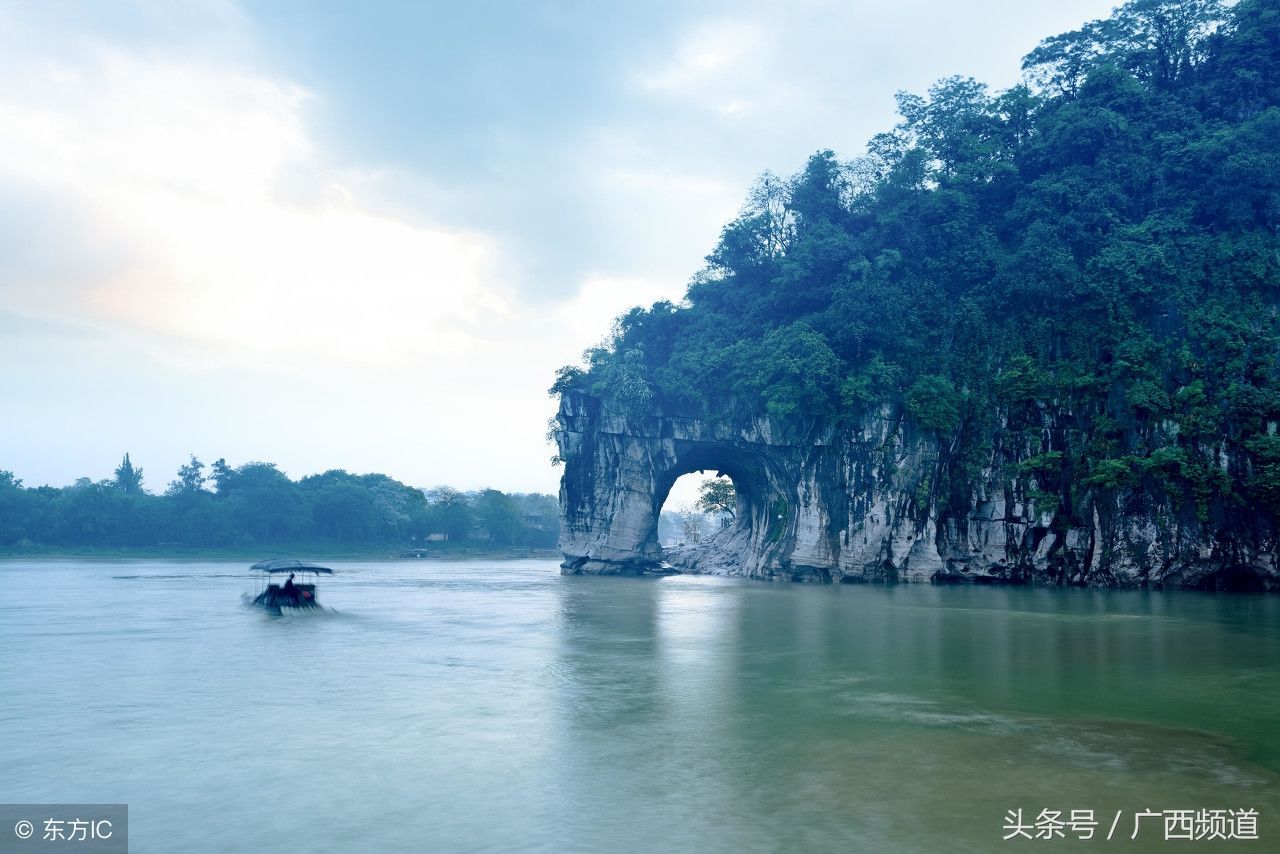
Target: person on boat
289 590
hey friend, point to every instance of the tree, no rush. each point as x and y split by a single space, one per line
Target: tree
957 124
716 496
500 516
818 193
14 507
1159 41
128 479
190 480
450 513
345 511
628 384
690 524
932 402
796 372
222 474
1163 40
762 231
394 503
1242 69
264 504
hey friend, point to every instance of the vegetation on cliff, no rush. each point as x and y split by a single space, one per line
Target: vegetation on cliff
1082 271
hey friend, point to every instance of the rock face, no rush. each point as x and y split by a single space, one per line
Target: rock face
862 504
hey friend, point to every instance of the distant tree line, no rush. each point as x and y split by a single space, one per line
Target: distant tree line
221 506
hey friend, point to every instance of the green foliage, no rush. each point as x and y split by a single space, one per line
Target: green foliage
13 508
1049 462
568 378
1264 485
499 516
1158 41
345 512
190 480
1146 396
932 402
128 479
1166 464
716 496
1043 501
450 513
876 382
795 372
1197 417
923 496
257 504
1021 381
1113 474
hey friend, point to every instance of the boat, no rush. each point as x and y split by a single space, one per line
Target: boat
274 598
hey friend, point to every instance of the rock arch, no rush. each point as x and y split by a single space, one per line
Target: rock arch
869 500
619 470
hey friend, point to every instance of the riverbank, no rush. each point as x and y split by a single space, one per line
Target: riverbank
312 551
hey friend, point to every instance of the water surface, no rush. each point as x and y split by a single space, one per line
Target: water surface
498 706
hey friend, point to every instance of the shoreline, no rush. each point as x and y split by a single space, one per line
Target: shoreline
266 552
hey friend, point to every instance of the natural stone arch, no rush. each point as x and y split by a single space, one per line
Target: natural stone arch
748 470
870 498
754 478
620 468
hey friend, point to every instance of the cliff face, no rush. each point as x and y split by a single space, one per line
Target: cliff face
876 502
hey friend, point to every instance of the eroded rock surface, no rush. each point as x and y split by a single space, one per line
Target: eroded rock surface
862 504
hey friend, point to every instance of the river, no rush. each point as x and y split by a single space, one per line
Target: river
498 706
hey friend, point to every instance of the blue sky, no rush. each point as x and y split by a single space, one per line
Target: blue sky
364 235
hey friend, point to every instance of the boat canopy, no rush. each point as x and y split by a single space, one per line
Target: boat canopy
289 565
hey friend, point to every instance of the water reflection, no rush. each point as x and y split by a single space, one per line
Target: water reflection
793 713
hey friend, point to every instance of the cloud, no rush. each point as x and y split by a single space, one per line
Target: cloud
227 225
664 220
188 258
708 56
734 69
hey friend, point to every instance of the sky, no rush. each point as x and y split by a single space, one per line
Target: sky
364 235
